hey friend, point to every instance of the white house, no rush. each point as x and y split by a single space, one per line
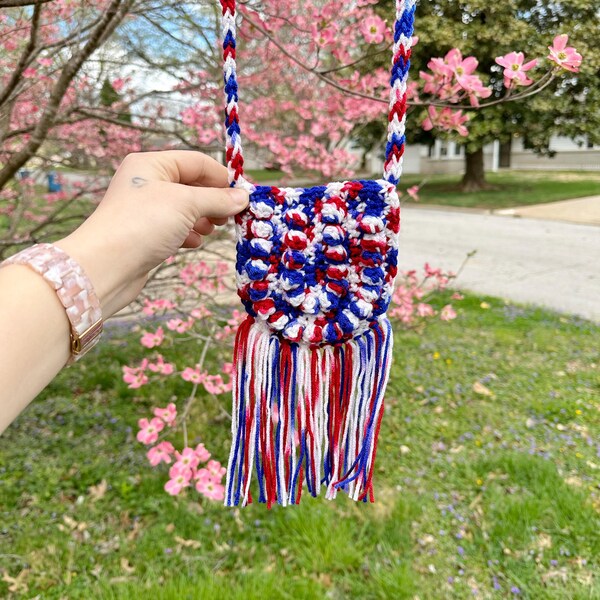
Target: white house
448 157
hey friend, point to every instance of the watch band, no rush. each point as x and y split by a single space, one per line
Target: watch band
74 290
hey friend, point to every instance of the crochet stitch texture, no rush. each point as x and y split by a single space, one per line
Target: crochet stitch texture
318 264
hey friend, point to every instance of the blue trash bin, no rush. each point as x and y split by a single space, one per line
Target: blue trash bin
53 184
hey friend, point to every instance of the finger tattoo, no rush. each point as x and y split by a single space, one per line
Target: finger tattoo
138 181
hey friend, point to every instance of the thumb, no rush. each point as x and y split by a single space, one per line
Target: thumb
213 203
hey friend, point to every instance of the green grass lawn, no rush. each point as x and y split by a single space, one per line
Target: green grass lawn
511 188
487 482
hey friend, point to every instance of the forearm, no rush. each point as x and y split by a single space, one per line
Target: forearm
34 328
34 338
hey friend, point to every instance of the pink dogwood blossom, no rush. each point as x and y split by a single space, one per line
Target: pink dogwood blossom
446 119
515 68
211 489
448 313
167 414
180 326
425 310
151 340
202 474
202 453
152 306
413 192
373 29
201 312
216 470
162 367
193 375
214 384
149 430
187 459
325 36
160 453
180 478
135 376
566 57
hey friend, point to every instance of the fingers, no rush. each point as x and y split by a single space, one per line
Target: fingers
193 240
213 203
179 166
203 226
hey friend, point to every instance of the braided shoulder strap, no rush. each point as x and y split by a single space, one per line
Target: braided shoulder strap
403 30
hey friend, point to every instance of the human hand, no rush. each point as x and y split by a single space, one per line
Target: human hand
157 202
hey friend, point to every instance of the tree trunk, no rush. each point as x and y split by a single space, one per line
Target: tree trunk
505 154
474 177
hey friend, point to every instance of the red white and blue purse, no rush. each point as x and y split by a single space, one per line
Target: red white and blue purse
315 271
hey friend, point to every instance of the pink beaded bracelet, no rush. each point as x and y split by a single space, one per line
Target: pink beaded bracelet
74 290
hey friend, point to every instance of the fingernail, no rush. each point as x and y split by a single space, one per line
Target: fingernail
240 196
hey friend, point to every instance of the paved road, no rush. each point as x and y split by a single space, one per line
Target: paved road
548 263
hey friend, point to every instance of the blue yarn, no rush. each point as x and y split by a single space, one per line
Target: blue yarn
255 272
297 470
256 295
345 323
240 432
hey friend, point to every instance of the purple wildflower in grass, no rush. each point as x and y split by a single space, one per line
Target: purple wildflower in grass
496 584
515 590
461 551
450 580
553 563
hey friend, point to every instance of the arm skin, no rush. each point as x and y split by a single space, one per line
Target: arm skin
156 203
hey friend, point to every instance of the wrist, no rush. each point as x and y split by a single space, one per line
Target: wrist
115 284
72 287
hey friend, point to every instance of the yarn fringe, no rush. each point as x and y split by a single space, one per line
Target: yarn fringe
306 416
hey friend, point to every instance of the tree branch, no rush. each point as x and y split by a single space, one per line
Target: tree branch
536 88
113 15
18 3
25 57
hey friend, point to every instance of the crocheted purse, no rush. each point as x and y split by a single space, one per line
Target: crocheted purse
315 270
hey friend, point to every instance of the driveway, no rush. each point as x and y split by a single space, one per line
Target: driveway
547 263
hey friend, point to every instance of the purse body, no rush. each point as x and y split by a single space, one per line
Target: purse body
317 264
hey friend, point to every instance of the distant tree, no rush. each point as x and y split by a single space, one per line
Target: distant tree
569 106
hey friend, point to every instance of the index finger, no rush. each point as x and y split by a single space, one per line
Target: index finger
191 168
